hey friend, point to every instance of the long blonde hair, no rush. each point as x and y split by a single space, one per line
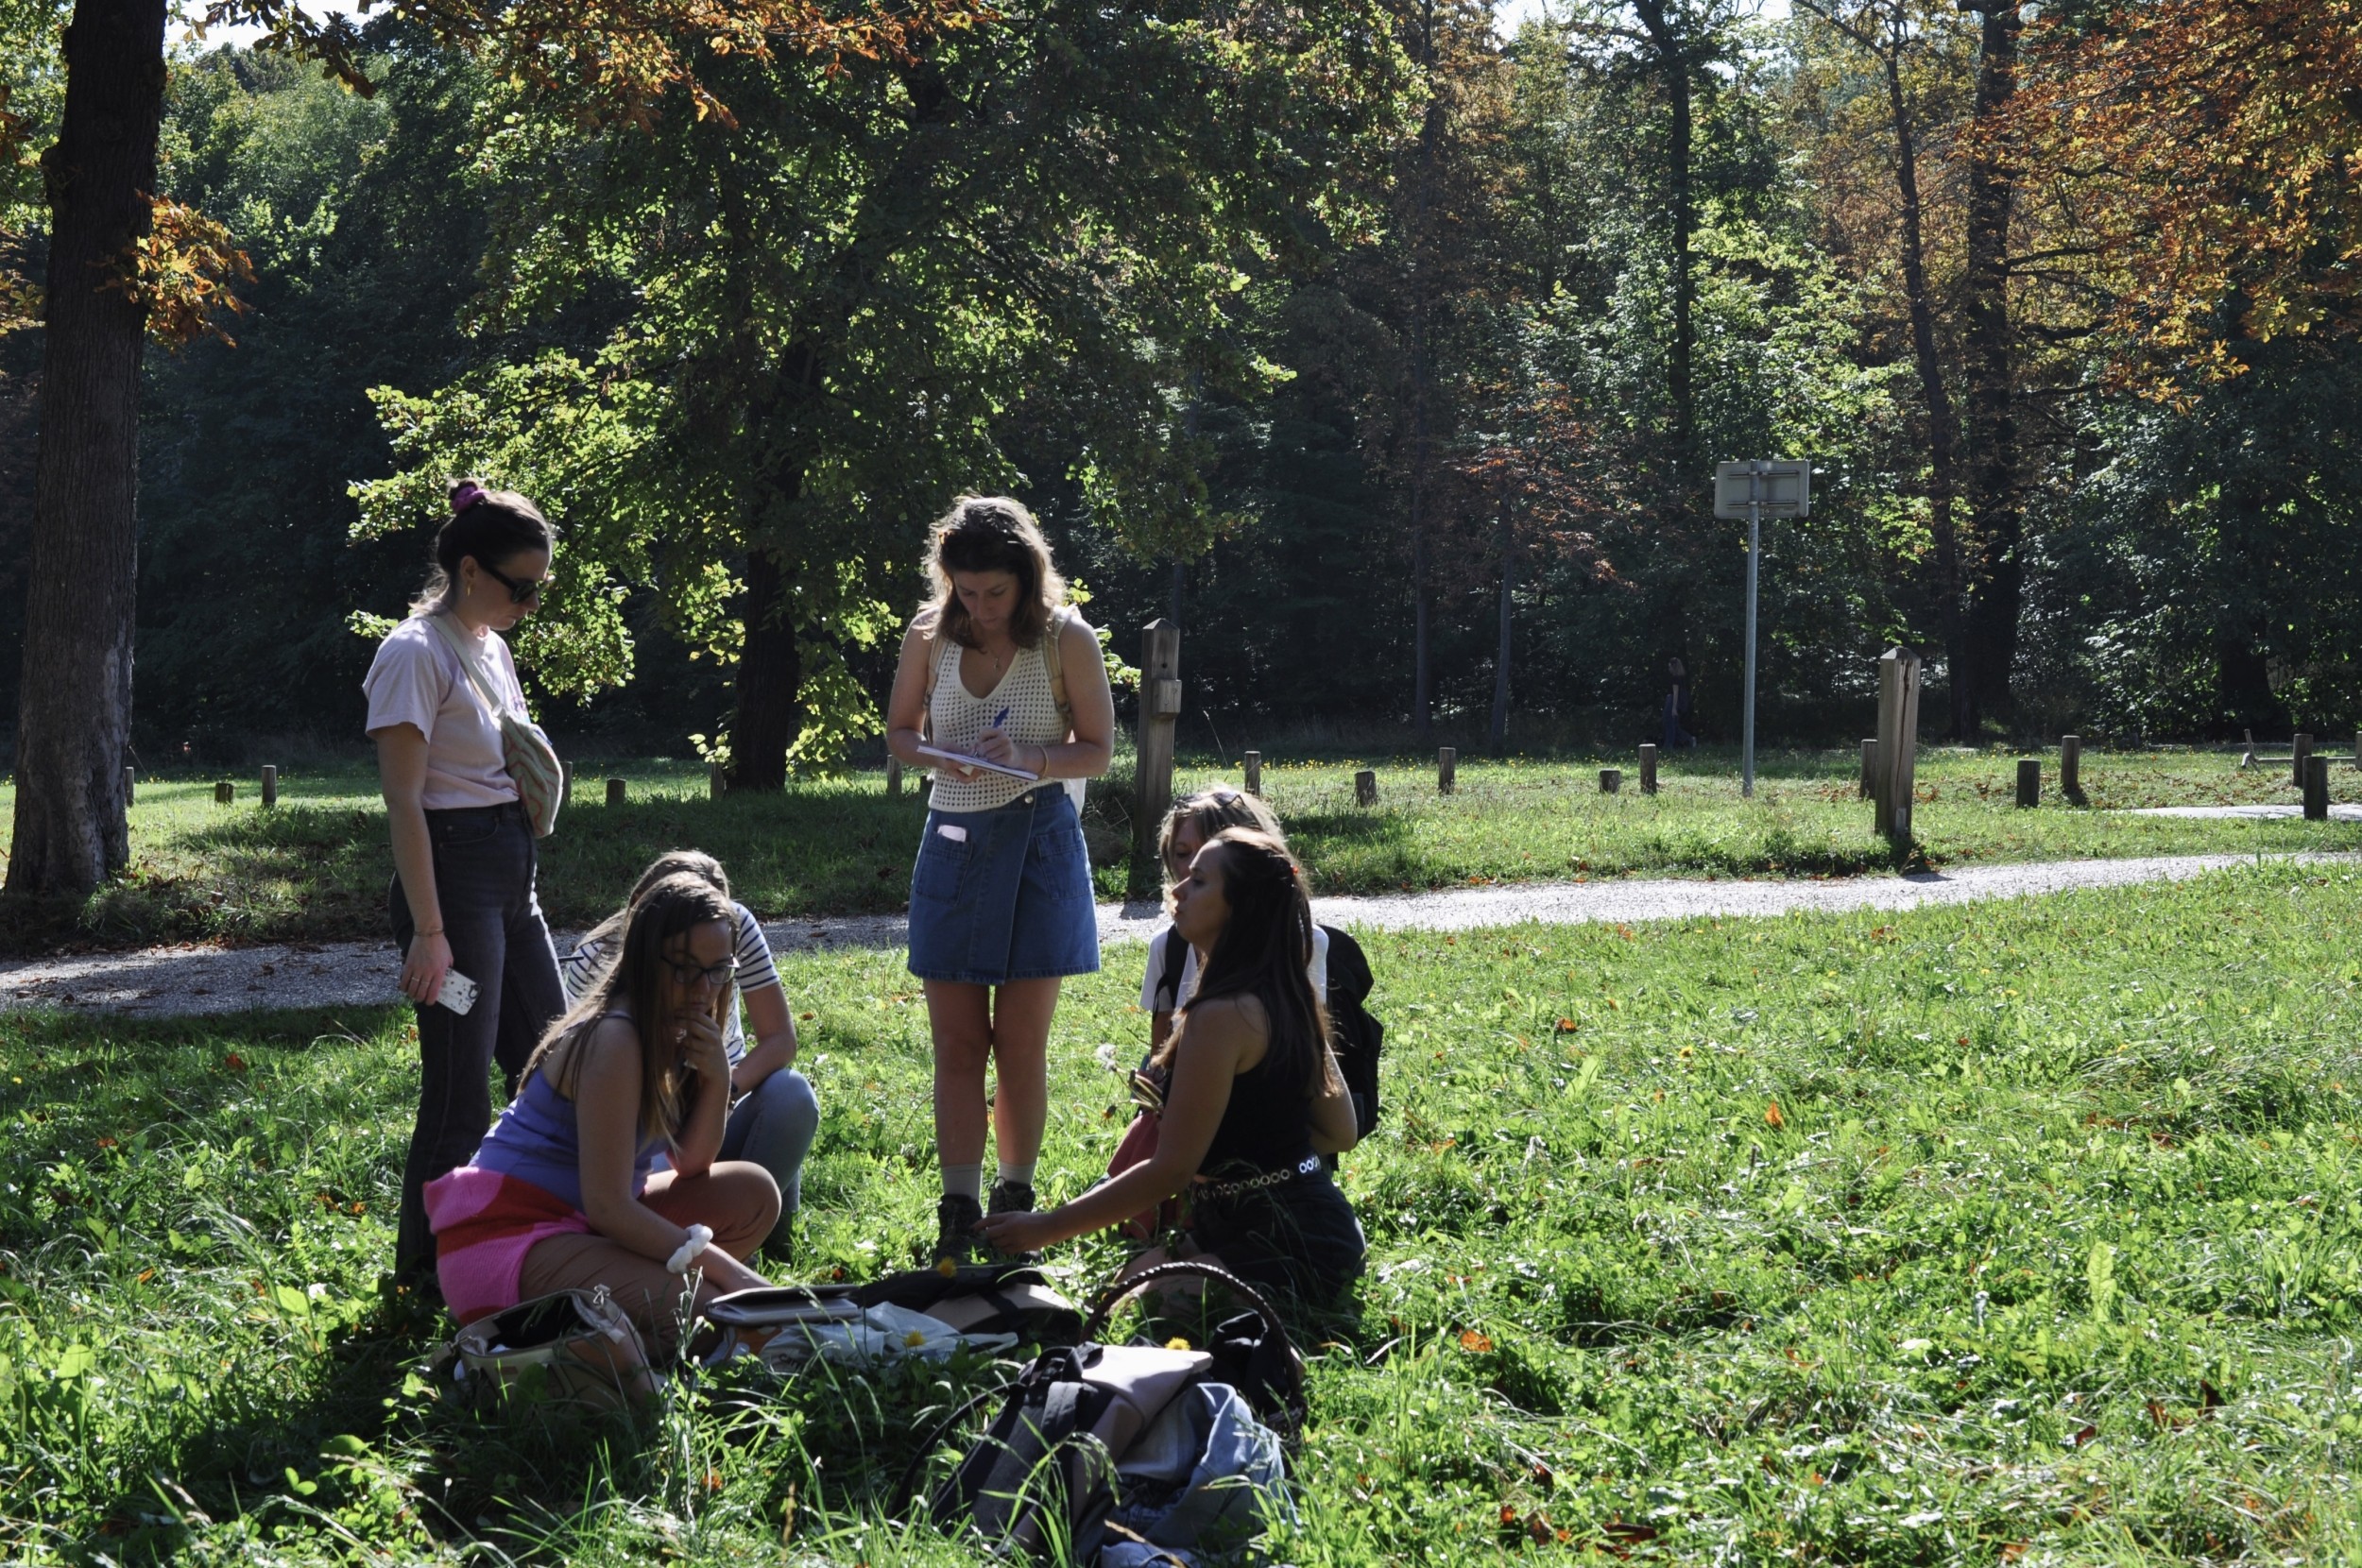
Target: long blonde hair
991 534
634 985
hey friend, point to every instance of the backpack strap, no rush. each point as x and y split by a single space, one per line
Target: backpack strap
1053 655
1173 952
476 676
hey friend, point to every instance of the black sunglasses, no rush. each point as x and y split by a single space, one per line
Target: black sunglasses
690 974
519 594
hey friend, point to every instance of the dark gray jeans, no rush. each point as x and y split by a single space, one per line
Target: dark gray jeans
483 865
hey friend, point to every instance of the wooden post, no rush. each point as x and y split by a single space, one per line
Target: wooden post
615 792
2357 761
1898 743
1365 788
225 794
2317 788
1255 772
2302 750
565 782
2029 783
1869 767
717 781
1446 769
270 785
894 777
2071 768
1611 781
1648 767
130 776
1161 704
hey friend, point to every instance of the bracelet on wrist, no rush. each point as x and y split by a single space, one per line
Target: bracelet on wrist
428 930
699 1238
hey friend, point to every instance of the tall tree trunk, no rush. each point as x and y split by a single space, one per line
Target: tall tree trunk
1997 575
74 708
1674 71
1422 198
770 673
1499 737
1943 438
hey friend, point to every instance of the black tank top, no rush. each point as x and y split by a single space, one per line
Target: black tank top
1267 1126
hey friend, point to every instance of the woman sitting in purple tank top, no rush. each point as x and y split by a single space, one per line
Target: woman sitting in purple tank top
560 1194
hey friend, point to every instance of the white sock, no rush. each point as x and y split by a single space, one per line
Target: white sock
1022 1174
965 1180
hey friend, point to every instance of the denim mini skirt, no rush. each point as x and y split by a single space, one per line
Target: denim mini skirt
1004 895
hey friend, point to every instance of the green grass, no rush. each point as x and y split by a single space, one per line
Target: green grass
315 866
2022 1233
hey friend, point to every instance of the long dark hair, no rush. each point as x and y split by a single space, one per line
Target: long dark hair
636 983
490 525
1265 951
992 534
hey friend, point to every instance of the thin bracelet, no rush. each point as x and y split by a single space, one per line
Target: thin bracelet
424 931
701 1237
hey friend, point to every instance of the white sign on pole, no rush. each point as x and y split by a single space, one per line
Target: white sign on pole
1782 487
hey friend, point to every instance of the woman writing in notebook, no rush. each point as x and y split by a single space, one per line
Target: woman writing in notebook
996 670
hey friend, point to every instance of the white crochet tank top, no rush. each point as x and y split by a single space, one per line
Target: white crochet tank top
955 719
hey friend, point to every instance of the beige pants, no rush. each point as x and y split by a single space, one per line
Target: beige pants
739 1199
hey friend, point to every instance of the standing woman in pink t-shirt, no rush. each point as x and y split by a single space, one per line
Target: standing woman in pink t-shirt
463 899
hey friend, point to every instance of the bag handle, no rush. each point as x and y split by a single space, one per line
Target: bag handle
1187 1267
1184 1268
476 676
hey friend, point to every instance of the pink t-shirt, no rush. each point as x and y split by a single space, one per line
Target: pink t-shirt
415 680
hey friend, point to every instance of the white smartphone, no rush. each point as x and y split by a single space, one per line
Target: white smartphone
458 992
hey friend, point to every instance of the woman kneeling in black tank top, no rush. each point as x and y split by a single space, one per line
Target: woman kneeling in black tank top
1252 1097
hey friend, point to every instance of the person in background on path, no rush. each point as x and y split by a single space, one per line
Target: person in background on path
462 898
997 667
773 1114
1171 979
1677 707
562 1195
1252 1097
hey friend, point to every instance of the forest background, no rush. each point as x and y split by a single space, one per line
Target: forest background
1386 349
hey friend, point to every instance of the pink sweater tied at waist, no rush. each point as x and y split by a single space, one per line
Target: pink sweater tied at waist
484 1224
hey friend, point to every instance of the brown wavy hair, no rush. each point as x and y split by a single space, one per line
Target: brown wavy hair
636 983
1265 951
991 534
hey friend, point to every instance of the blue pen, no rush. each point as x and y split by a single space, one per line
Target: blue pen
1000 718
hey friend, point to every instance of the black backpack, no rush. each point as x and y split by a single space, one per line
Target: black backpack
1039 1480
1359 1037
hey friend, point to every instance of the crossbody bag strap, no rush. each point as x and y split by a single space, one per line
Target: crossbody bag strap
476 676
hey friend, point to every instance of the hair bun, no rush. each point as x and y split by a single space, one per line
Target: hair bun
464 494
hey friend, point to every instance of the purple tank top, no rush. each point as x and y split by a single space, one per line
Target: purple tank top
536 1140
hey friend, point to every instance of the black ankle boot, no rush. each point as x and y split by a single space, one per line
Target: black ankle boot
955 1229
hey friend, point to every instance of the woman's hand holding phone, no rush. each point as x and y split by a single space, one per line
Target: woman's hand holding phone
424 965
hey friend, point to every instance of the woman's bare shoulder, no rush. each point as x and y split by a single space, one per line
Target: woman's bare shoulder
608 1042
1237 1017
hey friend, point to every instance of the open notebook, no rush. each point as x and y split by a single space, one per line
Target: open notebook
964 760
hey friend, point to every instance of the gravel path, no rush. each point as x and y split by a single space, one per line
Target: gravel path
162 982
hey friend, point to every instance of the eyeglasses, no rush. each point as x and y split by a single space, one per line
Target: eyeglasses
714 975
519 594
1146 1086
